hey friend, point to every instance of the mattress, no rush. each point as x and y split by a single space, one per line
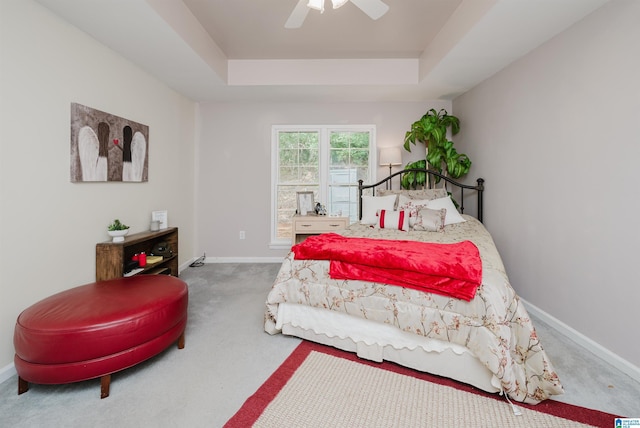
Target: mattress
377 342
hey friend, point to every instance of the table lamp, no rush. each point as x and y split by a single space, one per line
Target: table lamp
390 156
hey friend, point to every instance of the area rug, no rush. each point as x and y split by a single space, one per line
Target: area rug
320 386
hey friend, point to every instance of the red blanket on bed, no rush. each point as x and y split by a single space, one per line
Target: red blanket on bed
450 269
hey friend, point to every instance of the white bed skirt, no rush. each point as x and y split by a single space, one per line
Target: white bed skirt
376 342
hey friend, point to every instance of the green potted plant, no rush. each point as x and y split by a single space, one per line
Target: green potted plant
431 130
117 230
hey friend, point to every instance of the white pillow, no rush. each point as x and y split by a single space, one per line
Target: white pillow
372 204
453 216
393 220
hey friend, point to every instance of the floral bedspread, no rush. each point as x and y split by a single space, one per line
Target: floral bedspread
495 326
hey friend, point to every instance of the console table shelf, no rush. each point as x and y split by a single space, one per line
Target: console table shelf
112 256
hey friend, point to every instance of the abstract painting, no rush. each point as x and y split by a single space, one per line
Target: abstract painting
105 147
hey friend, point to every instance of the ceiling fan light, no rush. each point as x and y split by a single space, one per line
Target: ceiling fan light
316 4
338 3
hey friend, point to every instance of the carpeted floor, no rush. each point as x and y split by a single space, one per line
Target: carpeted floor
228 356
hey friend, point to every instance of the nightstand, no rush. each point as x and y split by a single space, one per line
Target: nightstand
308 225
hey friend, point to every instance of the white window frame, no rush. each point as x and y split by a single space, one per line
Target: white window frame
324 132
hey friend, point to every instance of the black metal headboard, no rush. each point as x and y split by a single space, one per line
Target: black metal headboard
479 188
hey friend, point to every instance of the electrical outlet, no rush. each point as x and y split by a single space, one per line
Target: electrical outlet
242 234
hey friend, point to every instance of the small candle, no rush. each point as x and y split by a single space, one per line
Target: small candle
142 259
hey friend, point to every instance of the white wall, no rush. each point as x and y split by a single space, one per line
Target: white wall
555 135
50 225
234 163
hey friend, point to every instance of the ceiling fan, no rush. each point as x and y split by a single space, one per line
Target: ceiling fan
373 8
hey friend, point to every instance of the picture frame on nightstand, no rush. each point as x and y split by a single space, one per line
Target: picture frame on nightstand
305 202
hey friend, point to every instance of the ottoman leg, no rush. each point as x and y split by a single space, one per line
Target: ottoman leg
181 341
23 386
105 382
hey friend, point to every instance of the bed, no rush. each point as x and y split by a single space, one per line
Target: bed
482 337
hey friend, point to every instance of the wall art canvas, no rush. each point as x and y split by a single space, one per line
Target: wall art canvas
105 147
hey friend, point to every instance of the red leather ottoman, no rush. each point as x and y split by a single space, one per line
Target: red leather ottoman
97 329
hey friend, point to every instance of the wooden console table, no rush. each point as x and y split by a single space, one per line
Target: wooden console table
112 256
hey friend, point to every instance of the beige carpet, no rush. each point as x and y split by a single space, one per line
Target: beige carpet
334 392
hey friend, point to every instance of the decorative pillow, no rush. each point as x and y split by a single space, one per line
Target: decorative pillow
372 204
388 219
411 205
453 216
416 194
430 220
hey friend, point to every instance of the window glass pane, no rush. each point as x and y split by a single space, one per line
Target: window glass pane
308 139
333 178
308 156
288 175
348 162
288 140
298 170
288 156
360 140
339 157
343 201
362 174
308 174
339 139
287 205
360 157
298 157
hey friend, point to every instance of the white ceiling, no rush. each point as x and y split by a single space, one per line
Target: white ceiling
229 50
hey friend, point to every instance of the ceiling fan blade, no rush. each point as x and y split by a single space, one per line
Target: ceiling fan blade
374 8
298 15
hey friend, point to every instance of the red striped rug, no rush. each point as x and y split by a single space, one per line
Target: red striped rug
302 392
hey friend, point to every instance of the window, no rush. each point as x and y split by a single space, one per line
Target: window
327 160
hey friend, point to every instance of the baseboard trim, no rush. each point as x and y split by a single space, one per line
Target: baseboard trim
7 372
244 260
186 264
595 348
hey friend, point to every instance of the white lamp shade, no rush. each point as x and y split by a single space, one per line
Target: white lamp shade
390 156
338 3
316 4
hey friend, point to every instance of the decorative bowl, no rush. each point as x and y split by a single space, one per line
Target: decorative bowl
118 235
